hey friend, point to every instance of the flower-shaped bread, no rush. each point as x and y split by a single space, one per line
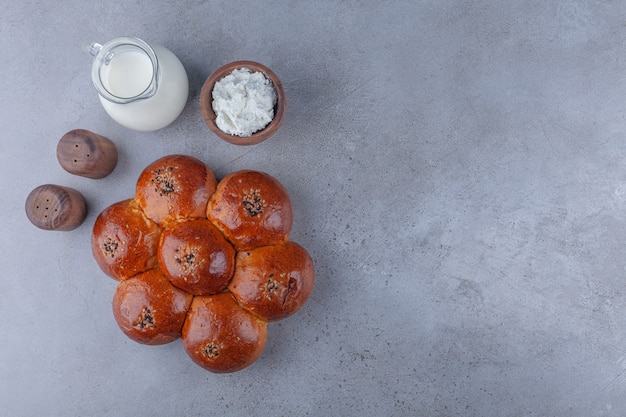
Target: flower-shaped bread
205 261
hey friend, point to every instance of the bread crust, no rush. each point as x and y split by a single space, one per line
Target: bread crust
251 209
124 241
196 257
175 187
273 282
220 336
149 309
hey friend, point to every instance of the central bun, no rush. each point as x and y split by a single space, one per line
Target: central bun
175 187
196 257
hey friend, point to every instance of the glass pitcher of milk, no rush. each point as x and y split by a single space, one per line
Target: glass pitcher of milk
142 87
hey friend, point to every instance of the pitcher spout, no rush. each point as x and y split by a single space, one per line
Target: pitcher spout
92 48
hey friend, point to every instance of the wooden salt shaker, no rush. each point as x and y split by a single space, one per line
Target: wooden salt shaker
87 154
53 207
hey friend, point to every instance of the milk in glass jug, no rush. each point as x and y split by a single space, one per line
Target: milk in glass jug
142 87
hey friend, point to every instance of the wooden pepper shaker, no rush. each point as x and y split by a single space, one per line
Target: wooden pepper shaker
87 154
53 207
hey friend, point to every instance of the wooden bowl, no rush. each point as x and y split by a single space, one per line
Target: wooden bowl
206 103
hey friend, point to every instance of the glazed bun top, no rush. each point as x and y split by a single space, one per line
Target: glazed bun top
273 282
221 336
175 187
251 209
196 257
149 309
124 242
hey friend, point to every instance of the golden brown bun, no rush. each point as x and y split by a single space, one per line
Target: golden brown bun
196 257
273 282
123 241
175 187
149 309
252 209
220 336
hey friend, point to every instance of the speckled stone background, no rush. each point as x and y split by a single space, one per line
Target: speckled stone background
457 170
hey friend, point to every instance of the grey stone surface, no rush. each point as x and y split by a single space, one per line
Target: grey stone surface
457 173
